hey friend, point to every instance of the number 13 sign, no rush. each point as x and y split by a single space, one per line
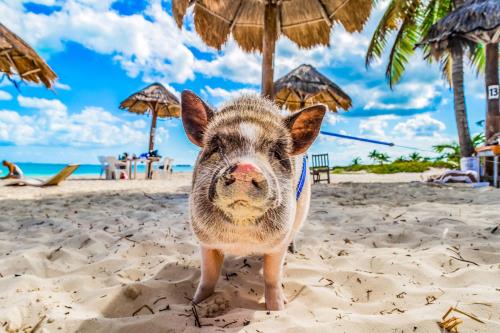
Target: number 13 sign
493 92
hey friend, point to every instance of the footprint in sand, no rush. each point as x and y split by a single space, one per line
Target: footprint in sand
215 306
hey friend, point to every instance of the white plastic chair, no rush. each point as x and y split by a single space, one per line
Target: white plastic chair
104 165
113 168
165 167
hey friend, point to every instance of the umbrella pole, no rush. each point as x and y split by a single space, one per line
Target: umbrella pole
269 47
154 113
153 130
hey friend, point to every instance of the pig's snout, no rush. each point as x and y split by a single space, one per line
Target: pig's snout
242 182
245 175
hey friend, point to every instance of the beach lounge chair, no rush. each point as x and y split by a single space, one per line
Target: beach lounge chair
320 165
55 180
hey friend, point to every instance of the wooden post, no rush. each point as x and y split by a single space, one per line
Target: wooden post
492 124
269 47
154 114
491 79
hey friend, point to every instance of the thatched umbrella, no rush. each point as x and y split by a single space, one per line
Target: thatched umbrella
475 21
305 86
18 58
256 24
156 100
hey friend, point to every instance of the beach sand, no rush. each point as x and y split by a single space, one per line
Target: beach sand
374 256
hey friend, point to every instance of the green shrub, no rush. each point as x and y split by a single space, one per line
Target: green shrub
394 167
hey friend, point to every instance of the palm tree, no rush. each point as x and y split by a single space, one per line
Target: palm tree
451 151
415 157
401 159
410 20
378 157
356 161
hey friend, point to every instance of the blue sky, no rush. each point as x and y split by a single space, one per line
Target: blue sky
103 50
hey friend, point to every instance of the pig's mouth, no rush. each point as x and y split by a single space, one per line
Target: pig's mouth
241 211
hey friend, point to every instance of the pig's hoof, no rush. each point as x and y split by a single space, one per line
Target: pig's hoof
216 307
275 299
201 294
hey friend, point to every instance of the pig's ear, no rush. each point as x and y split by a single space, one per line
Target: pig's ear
304 127
195 116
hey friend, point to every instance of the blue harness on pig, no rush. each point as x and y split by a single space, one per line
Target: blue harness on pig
302 179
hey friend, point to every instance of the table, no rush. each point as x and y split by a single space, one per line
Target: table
491 151
149 161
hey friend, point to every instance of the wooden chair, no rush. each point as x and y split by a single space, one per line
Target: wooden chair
320 165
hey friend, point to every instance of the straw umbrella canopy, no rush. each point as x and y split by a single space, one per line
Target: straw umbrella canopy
156 100
476 21
305 86
18 58
257 24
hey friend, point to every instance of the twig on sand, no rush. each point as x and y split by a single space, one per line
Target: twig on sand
159 299
38 324
149 196
494 229
230 323
460 258
84 243
297 294
196 317
51 254
451 325
142 307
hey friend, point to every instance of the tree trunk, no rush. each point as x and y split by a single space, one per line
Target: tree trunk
465 142
491 78
268 48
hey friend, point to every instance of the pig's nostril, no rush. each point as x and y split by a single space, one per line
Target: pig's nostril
256 184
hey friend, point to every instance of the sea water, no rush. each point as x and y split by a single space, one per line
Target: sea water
47 169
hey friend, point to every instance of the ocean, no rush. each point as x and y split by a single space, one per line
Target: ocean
48 169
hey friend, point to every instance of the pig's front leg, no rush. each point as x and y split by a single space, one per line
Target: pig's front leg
273 268
211 263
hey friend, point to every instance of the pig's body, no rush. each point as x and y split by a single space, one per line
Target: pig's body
245 182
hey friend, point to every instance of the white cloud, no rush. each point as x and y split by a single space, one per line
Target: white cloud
376 126
411 95
422 125
61 86
219 95
232 64
5 96
332 118
154 48
49 122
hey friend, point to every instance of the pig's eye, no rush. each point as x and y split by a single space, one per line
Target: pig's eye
277 154
216 146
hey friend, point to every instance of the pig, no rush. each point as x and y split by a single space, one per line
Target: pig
246 197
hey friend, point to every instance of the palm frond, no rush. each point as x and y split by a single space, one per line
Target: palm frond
478 58
446 65
387 24
404 45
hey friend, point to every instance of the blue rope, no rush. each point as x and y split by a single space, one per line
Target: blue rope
302 179
358 139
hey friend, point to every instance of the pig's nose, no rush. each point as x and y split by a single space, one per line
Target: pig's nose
244 172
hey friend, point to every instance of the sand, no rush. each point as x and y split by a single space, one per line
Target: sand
375 256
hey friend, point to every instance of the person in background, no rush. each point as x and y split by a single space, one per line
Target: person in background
124 157
14 171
